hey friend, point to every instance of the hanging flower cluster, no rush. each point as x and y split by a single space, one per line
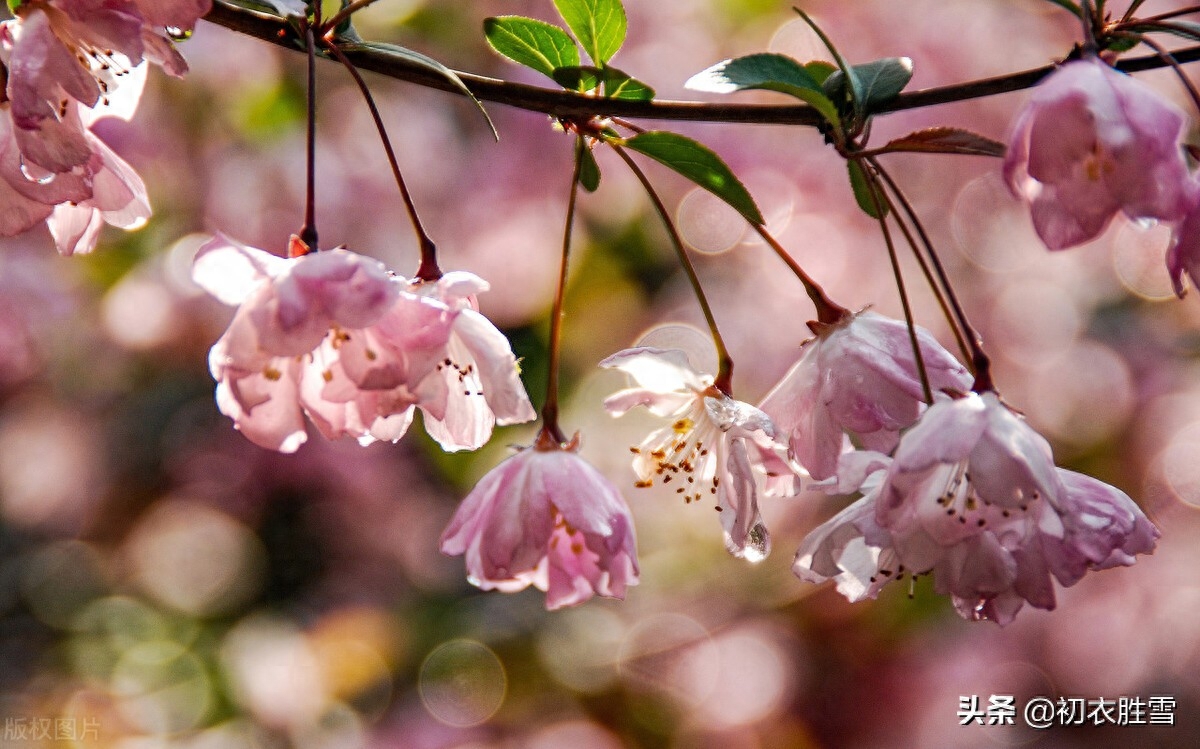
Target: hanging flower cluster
336 336
1093 142
68 63
952 483
972 497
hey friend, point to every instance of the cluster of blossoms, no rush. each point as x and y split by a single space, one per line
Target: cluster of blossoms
1093 142
64 65
962 490
953 483
338 337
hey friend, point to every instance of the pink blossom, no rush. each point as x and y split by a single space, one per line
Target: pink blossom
708 446
61 52
480 374
974 499
850 548
547 518
858 376
331 334
1092 142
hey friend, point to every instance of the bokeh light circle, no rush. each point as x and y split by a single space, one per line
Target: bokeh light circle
462 683
707 223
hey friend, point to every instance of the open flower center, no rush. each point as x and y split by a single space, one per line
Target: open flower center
681 454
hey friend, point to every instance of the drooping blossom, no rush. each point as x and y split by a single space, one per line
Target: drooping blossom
545 517
973 499
75 204
858 376
332 334
1092 142
839 549
61 51
707 448
482 378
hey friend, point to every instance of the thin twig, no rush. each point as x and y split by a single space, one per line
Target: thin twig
550 407
724 378
428 270
878 202
570 105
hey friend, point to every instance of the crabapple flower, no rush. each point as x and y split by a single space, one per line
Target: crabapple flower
707 447
329 334
859 376
1092 142
545 517
839 548
973 498
480 373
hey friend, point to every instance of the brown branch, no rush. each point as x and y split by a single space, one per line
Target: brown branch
569 105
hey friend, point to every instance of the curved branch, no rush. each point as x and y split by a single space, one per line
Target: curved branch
569 105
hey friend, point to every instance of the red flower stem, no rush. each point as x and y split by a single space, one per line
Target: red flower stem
550 407
428 270
724 378
878 201
828 311
943 290
980 361
1090 18
308 233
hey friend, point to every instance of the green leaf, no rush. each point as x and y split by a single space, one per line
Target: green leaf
416 58
620 85
589 170
878 81
578 77
863 190
14 5
767 71
856 97
945 140
599 25
820 70
617 83
698 164
532 43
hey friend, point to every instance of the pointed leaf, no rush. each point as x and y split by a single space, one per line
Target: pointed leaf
620 85
878 81
698 164
945 140
599 25
617 83
820 70
578 77
863 190
589 170
767 71
424 61
532 43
